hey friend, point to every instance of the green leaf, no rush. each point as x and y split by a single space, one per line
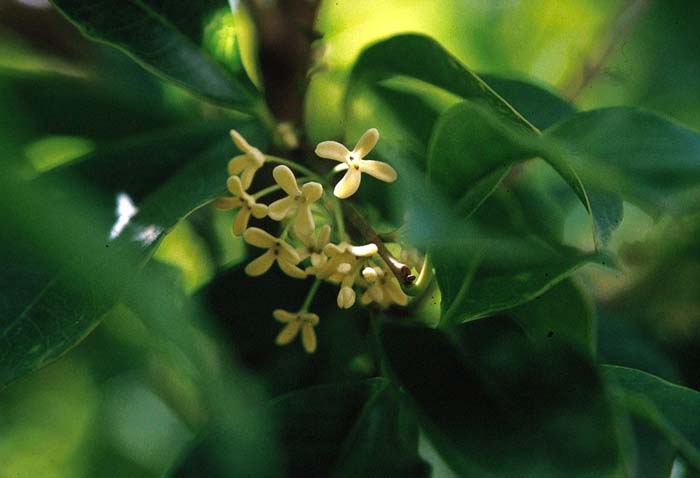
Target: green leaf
562 314
354 429
346 429
421 58
54 313
649 160
468 296
539 105
496 404
57 104
169 38
672 409
140 164
470 144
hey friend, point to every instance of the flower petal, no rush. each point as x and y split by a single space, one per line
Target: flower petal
340 167
260 265
259 210
332 150
364 251
365 298
259 238
240 141
281 315
379 170
304 221
308 338
346 297
233 183
370 274
303 253
285 178
309 317
288 253
312 192
290 269
393 290
347 186
376 293
317 260
366 142
238 164
241 222
324 235
288 333
247 176
279 209
227 202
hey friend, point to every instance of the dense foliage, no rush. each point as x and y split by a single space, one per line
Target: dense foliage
499 296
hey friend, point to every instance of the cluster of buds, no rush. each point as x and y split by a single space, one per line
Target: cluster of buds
303 249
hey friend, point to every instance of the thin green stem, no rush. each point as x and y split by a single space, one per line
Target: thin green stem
285 231
310 295
338 218
266 191
293 165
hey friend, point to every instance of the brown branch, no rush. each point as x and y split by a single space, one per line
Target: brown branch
624 24
285 34
398 268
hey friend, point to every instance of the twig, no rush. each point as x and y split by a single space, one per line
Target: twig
285 33
623 25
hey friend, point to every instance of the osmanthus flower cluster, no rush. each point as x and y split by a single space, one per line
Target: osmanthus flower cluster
305 248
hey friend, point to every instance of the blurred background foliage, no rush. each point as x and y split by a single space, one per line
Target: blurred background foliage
62 97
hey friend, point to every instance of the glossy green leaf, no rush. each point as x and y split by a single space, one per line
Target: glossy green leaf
470 145
538 104
169 38
421 58
471 294
496 404
672 409
649 160
53 313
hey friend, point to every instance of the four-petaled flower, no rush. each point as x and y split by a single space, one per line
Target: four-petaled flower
297 201
353 162
247 163
304 321
313 246
277 250
241 200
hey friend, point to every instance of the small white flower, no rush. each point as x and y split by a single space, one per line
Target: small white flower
313 247
277 250
241 200
304 321
247 163
353 162
384 288
341 260
346 297
298 201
